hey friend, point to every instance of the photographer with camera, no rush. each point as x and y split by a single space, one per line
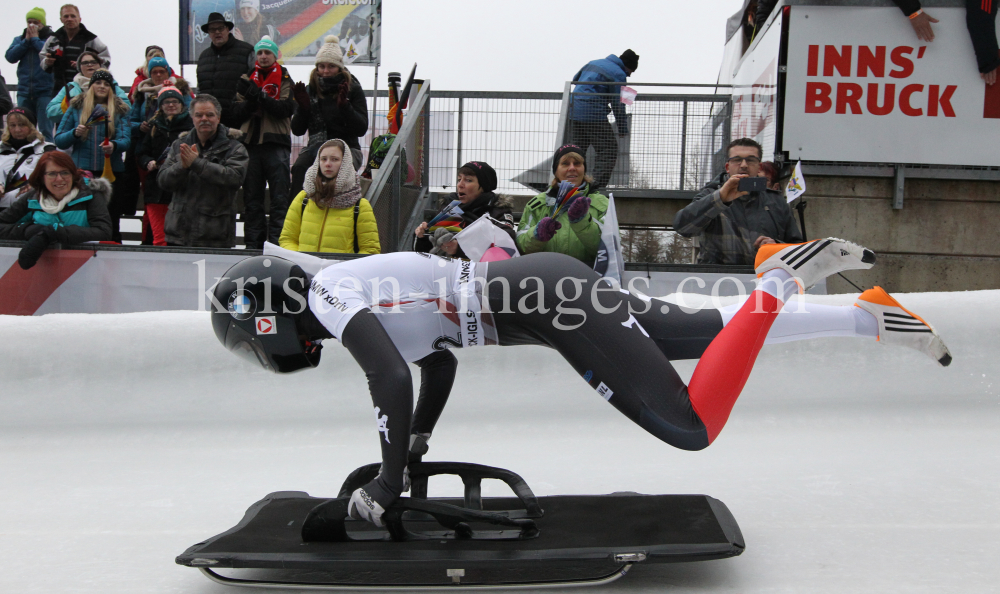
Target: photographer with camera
63 48
736 213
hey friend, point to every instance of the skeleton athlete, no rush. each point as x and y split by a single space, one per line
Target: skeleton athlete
391 309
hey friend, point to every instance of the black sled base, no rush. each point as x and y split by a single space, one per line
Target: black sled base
290 539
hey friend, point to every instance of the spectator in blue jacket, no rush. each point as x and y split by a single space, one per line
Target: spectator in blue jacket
34 85
592 100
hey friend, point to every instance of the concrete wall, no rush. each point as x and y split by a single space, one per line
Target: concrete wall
943 239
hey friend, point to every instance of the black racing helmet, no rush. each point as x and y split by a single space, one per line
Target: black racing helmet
254 314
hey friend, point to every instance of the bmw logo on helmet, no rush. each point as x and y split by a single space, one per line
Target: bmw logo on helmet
242 305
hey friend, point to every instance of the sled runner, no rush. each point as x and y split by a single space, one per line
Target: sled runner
292 540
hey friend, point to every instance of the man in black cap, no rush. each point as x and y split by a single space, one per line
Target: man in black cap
222 64
592 99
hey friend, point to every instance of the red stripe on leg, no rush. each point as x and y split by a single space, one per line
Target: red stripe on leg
724 368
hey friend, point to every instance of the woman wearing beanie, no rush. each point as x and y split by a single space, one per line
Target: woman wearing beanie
473 197
20 148
330 215
332 106
565 218
94 136
88 63
144 100
168 123
142 72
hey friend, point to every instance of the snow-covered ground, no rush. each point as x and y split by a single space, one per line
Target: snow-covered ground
850 466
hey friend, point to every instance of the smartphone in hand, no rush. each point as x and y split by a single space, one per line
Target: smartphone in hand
753 184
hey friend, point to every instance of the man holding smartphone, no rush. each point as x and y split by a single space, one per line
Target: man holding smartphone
735 214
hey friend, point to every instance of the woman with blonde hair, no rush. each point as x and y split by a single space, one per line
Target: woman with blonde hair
329 214
96 127
20 148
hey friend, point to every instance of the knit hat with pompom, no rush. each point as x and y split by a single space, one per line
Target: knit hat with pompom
330 52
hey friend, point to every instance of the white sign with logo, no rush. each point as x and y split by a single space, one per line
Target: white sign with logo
861 87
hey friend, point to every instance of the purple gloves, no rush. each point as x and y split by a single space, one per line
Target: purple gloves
546 229
579 209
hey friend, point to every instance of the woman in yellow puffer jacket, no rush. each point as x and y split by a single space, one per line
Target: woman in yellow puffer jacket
335 218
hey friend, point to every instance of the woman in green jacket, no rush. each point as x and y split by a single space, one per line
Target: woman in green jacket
329 214
570 226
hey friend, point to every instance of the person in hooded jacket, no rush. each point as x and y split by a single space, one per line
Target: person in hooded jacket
171 120
329 214
59 206
474 191
20 148
34 84
332 106
572 228
88 63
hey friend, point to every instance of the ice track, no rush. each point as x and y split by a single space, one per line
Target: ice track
851 467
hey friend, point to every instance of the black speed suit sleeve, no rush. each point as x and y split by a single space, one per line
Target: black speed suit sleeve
392 394
983 31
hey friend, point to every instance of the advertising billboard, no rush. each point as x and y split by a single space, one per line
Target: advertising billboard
297 26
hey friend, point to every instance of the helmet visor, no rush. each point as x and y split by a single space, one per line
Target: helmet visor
243 345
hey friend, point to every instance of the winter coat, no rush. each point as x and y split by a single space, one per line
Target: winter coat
15 181
6 103
498 207
87 152
84 218
32 80
203 204
580 239
326 119
63 70
982 29
79 85
218 70
140 75
728 231
595 108
265 120
154 147
319 229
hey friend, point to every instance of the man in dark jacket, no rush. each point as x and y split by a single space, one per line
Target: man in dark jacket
222 64
731 224
34 85
204 170
61 50
264 107
593 99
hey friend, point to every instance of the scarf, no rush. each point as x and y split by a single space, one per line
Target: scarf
269 82
52 206
19 144
347 188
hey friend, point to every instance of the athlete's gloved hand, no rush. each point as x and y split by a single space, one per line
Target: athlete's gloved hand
363 507
546 229
579 209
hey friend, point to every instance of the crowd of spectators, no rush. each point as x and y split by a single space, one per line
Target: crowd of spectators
80 148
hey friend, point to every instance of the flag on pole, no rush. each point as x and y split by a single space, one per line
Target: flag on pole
796 185
609 262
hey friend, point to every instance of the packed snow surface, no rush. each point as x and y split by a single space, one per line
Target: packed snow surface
850 466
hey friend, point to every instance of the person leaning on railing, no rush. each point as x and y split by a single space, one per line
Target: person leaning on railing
571 228
59 206
329 214
732 225
474 193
